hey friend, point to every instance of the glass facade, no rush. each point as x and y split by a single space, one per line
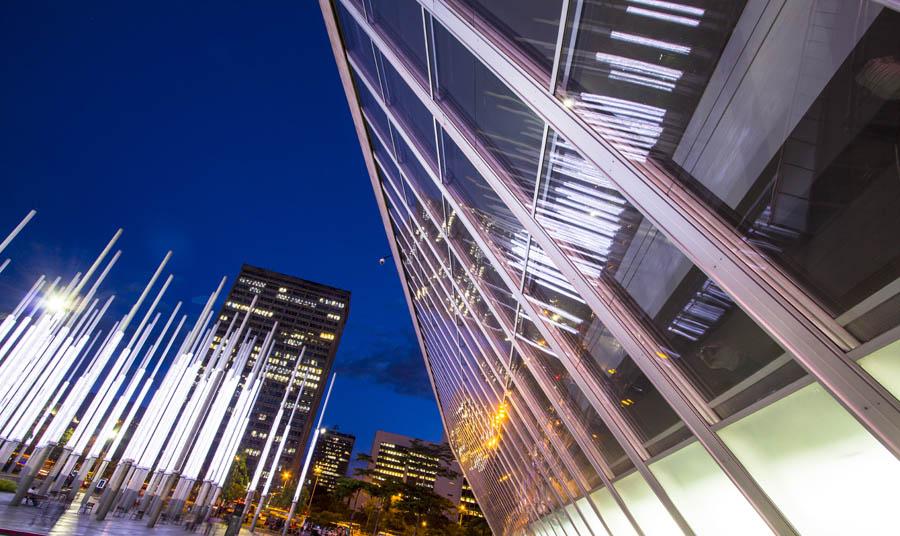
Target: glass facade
545 168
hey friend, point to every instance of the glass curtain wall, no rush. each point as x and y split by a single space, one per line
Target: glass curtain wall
566 335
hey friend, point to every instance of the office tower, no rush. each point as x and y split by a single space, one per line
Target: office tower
407 459
331 458
309 315
468 504
651 251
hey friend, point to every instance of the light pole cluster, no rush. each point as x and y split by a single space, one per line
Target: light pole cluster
67 388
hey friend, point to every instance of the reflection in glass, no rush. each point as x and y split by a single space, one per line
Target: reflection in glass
509 131
815 113
707 336
529 26
401 20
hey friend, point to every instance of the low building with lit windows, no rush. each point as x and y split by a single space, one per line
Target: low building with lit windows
650 249
396 457
308 314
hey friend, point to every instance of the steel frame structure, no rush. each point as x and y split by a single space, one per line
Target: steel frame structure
813 338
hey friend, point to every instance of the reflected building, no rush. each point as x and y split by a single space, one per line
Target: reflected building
310 315
650 250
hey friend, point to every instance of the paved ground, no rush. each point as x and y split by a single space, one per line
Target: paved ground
58 520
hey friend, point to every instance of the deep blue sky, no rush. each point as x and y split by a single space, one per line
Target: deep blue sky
218 130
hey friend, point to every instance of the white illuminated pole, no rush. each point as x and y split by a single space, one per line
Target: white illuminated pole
36 461
277 457
17 229
236 424
13 317
309 453
92 421
198 452
270 438
164 407
180 450
125 462
107 434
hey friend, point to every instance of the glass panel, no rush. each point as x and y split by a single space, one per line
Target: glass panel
569 395
825 472
401 21
509 131
817 165
488 278
693 481
595 526
372 110
485 208
711 339
417 120
615 518
555 423
357 43
530 26
884 366
646 508
599 354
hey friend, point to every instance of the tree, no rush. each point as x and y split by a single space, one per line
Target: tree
238 479
285 495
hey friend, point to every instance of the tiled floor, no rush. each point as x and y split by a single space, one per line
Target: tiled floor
69 522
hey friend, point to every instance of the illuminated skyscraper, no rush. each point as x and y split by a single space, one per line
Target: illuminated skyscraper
308 314
650 249
331 458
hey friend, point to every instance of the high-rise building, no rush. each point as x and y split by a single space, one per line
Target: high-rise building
407 459
650 249
331 457
309 315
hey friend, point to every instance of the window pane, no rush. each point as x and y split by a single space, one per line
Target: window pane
814 113
531 26
374 113
485 208
509 131
401 20
708 336
357 43
417 121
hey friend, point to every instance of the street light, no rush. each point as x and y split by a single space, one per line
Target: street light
318 471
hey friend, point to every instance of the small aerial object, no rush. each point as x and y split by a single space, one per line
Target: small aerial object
383 260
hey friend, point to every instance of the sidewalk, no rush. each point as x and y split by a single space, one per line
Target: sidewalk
56 521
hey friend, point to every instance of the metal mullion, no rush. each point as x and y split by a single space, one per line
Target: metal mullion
614 422
504 275
511 334
331 25
497 491
687 411
557 53
511 466
770 296
449 366
562 455
428 51
565 415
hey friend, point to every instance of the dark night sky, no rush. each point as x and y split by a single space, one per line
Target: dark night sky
218 130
